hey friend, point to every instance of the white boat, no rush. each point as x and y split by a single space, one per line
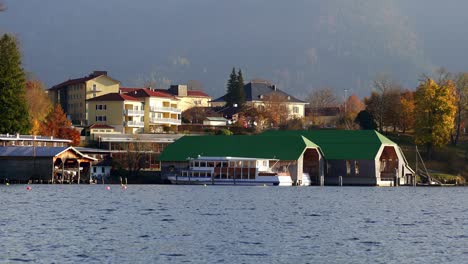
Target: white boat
231 171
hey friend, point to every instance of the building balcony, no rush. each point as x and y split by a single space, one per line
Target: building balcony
165 121
165 109
131 112
134 124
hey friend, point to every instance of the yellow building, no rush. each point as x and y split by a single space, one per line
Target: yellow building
72 94
161 110
122 112
188 98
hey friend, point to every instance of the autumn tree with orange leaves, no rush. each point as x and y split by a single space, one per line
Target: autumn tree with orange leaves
39 105
57 125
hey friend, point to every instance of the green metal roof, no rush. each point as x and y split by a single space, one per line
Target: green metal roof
342 144
287 147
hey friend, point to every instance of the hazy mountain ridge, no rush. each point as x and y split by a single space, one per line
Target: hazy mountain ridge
300 45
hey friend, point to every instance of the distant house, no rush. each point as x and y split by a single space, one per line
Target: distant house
160 109
116 111
261 93
73 93
102 166
188 98
44 164
360 157
215 121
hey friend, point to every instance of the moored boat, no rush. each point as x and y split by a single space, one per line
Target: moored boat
232 171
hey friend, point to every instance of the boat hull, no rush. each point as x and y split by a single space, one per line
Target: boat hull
240 182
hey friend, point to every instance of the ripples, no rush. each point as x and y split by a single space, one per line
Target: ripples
158 224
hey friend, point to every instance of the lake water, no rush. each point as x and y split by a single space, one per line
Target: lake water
214 224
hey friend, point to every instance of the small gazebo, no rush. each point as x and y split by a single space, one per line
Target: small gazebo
44 165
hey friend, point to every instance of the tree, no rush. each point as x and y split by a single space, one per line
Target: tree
383 102
134 158
276 109
350 110
461 82
39 104
406 118
235 94
13 105
230 89
240 93
57 125
321 98
435 108
196 115
365 120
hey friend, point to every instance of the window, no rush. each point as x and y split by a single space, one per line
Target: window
295 109
101 118
103 170
348 167
101 107
94 169
356 167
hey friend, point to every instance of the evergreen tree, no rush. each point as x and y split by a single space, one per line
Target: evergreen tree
13 105
230 96
240 89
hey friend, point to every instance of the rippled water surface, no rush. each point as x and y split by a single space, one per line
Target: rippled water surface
214 224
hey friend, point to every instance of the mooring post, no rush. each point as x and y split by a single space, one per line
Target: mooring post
340 180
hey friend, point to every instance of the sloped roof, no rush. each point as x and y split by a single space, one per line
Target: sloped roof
269 147
114 97
255 90
197 93
343 144
91 76
145 92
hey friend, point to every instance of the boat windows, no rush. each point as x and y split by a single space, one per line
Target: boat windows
356 167
232 164
224 164
210 164
202 163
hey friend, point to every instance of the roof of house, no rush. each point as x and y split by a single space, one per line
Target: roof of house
258 91
43 152
342 144
114 97
216 118
91 76
145 92
197 93
268 147
130 89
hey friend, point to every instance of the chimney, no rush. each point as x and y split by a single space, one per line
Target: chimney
274 87
98 73
179 90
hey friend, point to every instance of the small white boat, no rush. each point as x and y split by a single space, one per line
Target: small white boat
231 171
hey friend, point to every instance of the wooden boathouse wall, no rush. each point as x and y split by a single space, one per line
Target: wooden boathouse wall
22 169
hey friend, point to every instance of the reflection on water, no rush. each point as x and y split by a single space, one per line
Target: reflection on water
215 224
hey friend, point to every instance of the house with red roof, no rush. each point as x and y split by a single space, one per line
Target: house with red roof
135 111
73 93
189 98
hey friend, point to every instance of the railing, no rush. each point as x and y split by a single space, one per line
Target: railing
165 109
131 112
165 121
134 123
